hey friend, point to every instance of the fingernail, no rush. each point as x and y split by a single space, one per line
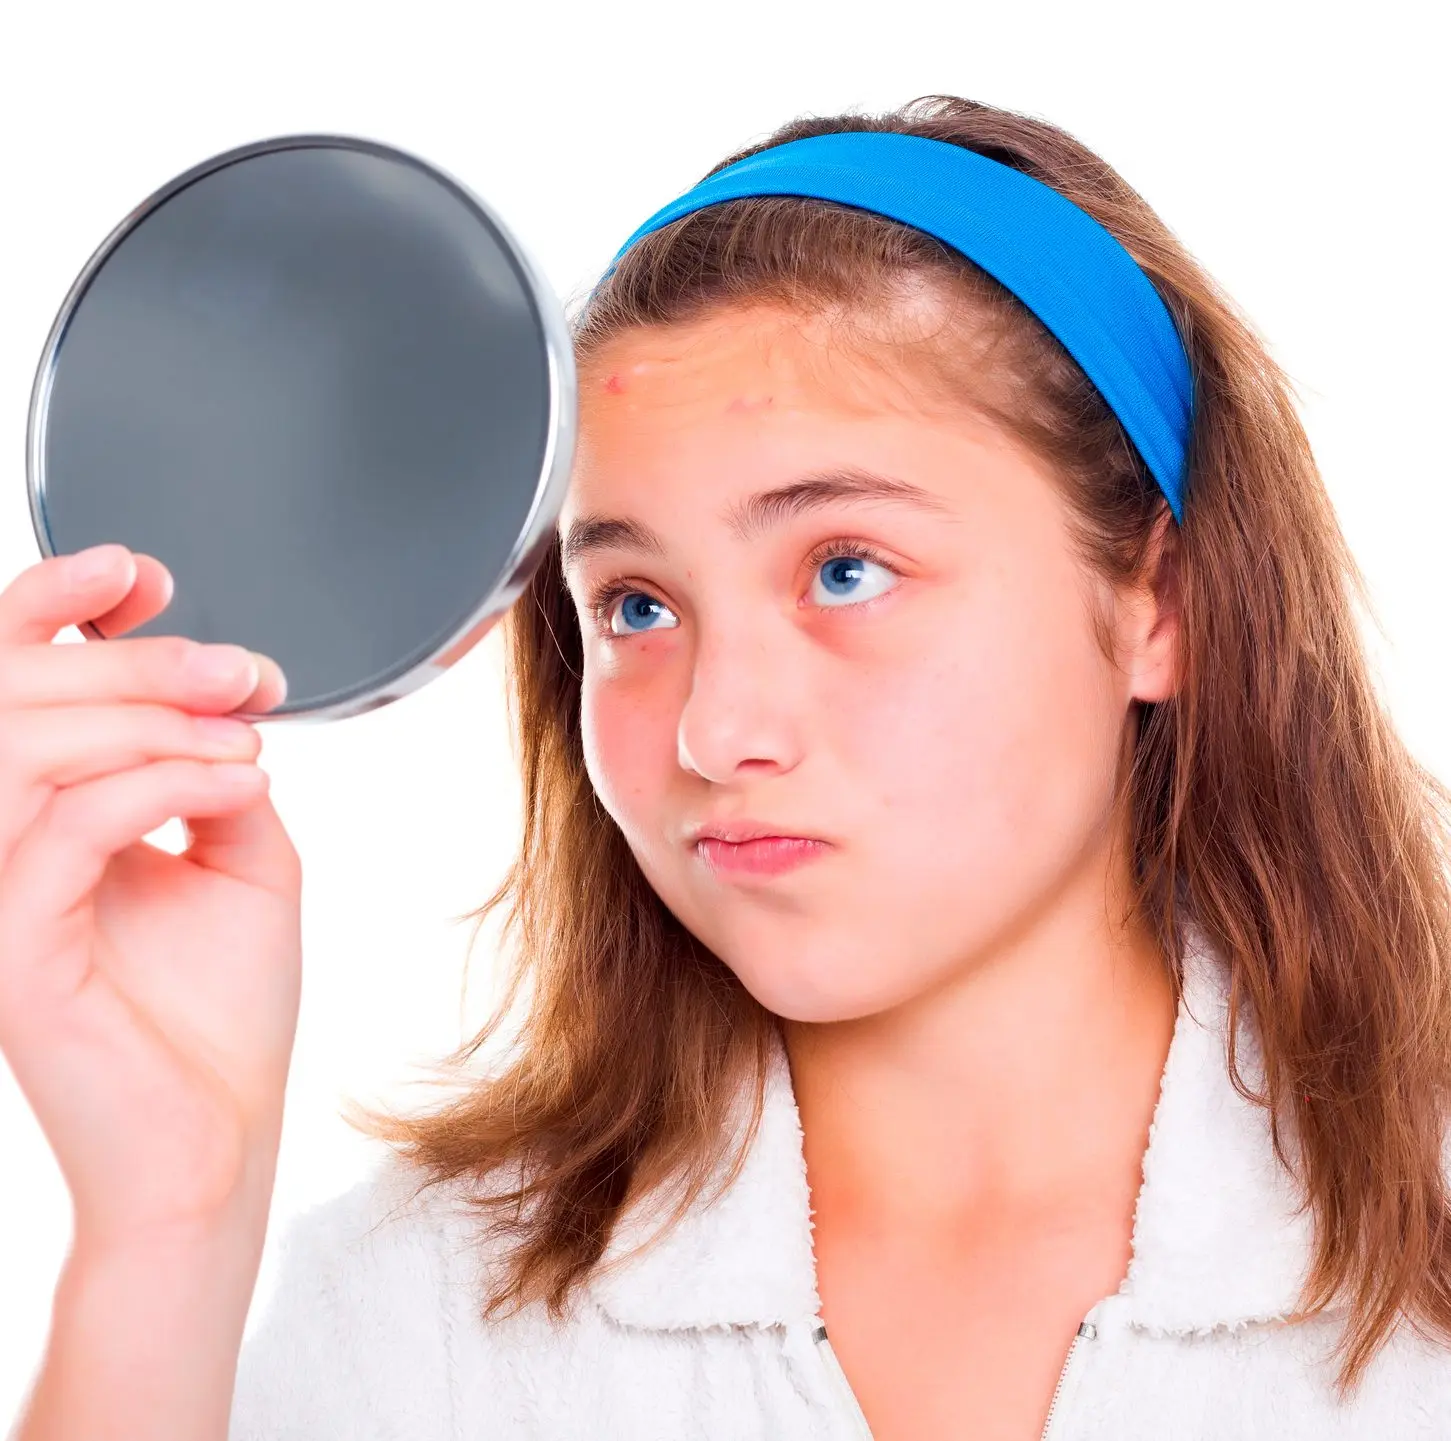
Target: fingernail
225 664
269 667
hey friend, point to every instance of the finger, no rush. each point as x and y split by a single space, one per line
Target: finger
48 748
52 594
48 881
162 669
150 593
68 745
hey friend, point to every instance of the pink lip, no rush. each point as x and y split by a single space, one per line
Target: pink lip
764 856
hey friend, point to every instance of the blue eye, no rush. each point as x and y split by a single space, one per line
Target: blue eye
842 571
637 607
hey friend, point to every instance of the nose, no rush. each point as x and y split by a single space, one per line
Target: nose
743 711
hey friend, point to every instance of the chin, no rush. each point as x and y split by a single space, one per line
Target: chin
818 997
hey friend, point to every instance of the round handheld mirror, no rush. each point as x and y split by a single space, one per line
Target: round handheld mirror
320 382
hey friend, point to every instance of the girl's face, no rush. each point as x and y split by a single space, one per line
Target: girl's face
909 678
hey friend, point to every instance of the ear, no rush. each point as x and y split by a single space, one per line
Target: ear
1149 620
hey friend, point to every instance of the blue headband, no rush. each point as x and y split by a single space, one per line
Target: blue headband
1056 258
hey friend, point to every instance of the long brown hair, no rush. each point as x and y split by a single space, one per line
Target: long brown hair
1270 802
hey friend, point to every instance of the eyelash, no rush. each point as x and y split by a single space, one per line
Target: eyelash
606 594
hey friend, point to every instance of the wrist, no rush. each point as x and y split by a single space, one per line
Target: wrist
225 1223
165 1271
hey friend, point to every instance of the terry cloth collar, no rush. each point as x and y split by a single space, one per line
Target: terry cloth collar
1217 1240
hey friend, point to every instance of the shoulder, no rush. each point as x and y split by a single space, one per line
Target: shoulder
354 1322
373 1327
385 1227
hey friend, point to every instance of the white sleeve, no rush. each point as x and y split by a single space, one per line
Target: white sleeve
352 1342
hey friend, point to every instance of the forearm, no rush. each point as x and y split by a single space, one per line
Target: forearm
144 1339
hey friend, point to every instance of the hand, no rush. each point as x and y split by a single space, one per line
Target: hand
148 1002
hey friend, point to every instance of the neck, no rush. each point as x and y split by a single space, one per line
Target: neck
1025 1083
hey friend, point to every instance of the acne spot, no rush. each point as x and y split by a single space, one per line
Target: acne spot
614 384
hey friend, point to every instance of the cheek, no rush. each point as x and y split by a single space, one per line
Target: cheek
629 746
988 756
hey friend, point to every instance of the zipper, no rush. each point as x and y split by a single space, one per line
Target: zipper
1087 1331
860 1429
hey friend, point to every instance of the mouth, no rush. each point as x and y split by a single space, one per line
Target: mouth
757 856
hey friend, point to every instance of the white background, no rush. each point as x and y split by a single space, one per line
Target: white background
1298 150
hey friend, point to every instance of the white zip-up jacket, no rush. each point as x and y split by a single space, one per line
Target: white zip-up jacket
372 1331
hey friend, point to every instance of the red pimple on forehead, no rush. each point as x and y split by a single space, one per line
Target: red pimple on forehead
614 384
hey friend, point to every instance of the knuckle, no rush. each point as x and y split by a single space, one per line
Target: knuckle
174 659
180 648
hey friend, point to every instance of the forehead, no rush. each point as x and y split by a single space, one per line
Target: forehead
755 418
681 419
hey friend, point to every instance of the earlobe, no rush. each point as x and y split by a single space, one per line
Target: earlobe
1157 677
1157 651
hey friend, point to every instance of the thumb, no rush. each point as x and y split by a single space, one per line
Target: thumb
252 844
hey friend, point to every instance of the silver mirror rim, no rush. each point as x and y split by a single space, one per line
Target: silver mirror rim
562 425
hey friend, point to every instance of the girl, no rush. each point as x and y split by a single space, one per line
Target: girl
982 955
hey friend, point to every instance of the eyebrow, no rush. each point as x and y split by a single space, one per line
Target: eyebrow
748 519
